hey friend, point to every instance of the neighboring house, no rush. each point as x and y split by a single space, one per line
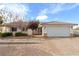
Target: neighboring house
49 29
76 31
57 29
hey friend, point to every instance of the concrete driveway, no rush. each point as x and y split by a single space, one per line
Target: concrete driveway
60 46
47 46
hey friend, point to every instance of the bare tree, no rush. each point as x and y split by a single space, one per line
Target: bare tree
7 16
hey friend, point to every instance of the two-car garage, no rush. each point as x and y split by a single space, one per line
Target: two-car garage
57 29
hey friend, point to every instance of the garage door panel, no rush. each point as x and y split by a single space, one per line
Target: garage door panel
58 31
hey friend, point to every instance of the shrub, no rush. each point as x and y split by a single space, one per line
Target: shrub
0 34
20 34
6 34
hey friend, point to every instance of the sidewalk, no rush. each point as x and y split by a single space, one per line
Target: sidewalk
20 40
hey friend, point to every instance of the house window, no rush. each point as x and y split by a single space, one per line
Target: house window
13 29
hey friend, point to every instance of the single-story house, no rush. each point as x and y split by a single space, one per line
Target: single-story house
76 31
57 29
49 29
17 26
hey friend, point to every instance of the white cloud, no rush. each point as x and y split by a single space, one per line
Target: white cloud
41 18
54 9
59 7
43 12
2 6
42 15
73 6
62 7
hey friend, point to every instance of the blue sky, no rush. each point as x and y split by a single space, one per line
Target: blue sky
45 12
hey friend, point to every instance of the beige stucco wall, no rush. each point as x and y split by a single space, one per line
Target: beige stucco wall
18 30
29 32
5 29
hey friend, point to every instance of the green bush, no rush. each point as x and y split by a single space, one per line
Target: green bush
0 34
6 34
20 34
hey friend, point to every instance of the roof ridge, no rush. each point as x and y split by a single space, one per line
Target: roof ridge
58 22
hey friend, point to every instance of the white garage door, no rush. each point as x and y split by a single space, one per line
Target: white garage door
57 31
